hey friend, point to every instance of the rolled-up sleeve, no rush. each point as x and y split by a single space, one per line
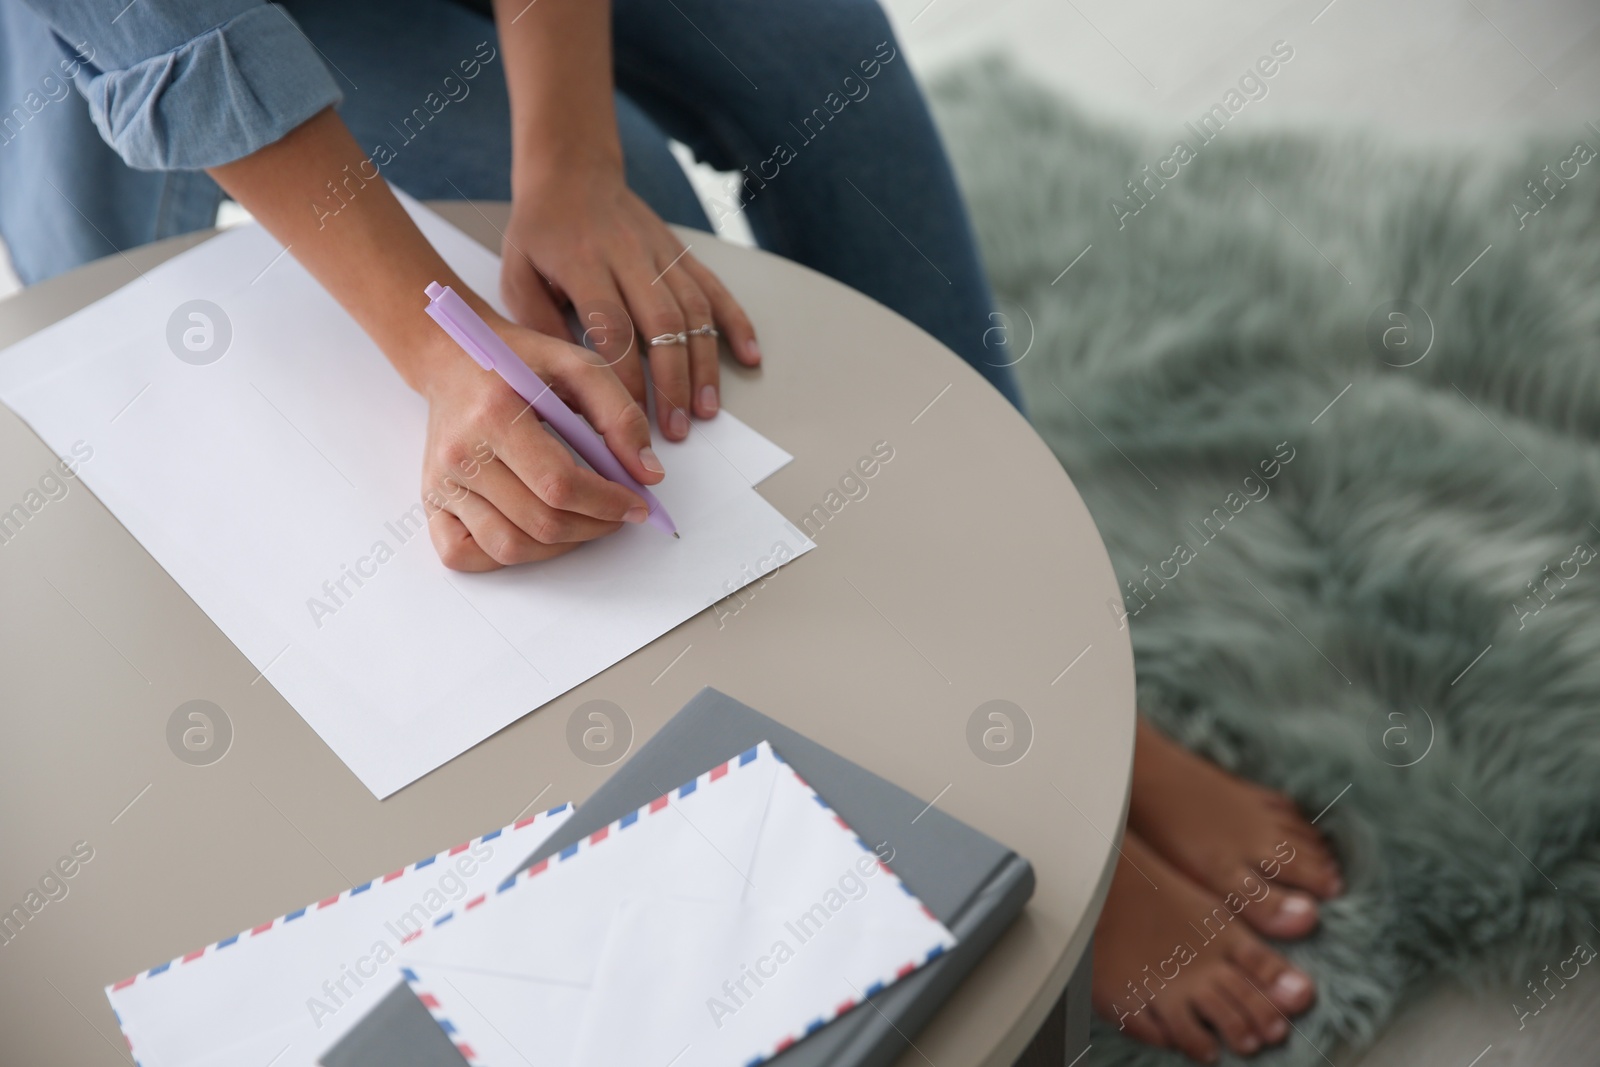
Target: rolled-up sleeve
191 84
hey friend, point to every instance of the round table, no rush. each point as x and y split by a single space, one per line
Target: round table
969 572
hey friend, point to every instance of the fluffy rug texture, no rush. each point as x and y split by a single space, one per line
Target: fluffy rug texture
1335 406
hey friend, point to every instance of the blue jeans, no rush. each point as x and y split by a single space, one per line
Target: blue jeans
809 101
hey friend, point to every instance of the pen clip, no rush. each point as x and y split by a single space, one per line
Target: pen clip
440 299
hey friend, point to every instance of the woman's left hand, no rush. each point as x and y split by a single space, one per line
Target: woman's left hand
582 237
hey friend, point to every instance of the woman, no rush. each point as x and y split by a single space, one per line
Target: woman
304 112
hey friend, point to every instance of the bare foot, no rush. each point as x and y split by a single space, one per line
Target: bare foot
1173 967
1232 836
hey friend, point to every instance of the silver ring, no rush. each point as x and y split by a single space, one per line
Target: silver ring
707 330
661 339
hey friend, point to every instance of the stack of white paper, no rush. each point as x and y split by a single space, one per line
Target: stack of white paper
279 486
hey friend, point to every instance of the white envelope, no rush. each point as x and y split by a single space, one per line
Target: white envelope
714 927
285 991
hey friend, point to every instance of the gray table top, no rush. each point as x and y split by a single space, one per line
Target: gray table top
970 572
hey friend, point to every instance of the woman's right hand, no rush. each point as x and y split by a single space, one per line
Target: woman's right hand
500 488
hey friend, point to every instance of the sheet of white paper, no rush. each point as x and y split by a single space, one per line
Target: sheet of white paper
279 486
285 991
752 455
712 928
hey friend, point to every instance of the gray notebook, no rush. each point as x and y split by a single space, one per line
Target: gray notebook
974 884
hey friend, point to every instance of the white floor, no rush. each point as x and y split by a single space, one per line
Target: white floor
1420 71
1422 68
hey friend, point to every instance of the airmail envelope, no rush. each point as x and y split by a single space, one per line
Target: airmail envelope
714 927
284 991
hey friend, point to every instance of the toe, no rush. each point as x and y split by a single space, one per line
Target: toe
1228 1019
1290 990
1142 1026
1278 799
1188 1034
1267 1021
1258 963
1312 866
1286 914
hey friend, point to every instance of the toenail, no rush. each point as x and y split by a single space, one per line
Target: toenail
1249 1046
1296 906
1291 985
1337 886
1276 1029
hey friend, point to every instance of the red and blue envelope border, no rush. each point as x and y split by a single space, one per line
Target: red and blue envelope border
441 1016
327 902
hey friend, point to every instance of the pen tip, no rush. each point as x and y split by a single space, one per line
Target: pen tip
675 534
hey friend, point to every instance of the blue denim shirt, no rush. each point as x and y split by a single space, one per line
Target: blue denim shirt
164 88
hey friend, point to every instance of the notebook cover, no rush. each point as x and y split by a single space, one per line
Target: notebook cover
975 885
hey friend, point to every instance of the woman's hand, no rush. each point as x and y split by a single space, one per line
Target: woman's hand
582 237
498 487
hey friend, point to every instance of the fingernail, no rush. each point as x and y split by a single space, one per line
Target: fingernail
1277 1029
708 399
1337 886
753 348
1250 1046
636 514
1296 905
647 456
677 424
1291 985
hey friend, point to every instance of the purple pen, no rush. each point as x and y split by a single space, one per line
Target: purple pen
480 342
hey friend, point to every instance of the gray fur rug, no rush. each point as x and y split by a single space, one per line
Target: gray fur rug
1335 406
